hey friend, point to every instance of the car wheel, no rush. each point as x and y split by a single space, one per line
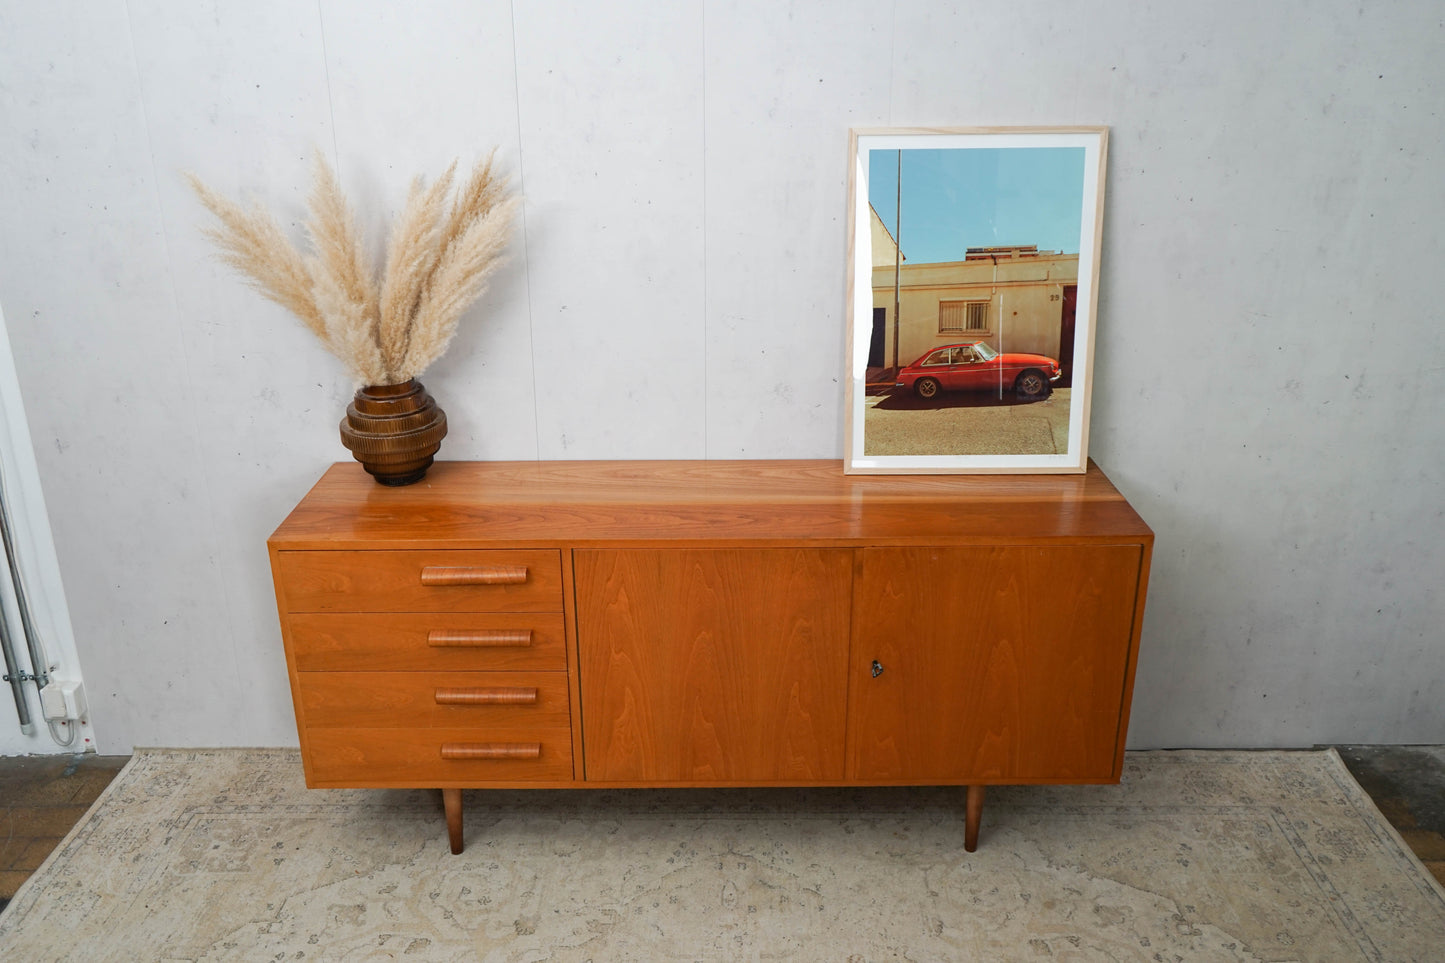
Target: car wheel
926 387
1031 384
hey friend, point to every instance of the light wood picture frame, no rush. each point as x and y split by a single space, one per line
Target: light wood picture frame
972 291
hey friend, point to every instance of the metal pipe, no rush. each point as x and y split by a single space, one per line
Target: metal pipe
40 669
993 289
897 256
15 677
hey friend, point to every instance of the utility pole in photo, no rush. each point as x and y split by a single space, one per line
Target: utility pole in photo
897 254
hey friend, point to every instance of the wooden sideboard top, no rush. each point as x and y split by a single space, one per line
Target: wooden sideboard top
502 504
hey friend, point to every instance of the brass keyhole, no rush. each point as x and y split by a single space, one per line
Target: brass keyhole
877 668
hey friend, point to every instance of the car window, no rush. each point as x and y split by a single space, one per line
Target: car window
938 357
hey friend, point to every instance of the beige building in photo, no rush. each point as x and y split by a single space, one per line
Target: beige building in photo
1016 297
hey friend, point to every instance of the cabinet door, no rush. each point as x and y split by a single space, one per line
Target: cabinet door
993 664
713 666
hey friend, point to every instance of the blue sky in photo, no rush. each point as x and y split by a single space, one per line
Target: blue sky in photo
954 199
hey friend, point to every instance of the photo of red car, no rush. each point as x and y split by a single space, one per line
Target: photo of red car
974 366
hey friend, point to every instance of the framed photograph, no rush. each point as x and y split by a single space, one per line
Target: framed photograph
973 272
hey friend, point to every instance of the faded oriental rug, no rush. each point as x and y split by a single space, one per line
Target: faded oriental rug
225 855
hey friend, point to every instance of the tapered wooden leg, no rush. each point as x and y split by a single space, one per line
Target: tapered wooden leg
973 814
452 800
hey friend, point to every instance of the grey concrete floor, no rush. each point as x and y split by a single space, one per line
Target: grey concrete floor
1407 783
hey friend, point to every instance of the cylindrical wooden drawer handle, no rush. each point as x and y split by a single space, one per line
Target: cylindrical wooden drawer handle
479 638
486 696
474 575
491 750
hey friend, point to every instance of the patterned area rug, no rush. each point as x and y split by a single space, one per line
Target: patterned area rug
225 855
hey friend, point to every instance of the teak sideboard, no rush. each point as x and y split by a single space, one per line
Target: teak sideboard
743 623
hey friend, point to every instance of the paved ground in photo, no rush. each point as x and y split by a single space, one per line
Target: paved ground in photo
965 423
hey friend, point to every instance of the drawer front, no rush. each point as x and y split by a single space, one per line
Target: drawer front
407 642
423 581
377 700
437 757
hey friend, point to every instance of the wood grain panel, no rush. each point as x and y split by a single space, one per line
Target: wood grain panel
706 503
413 757
995 663
392 581
718 666
377 700
406 642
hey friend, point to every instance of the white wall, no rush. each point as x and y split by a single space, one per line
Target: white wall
1269 380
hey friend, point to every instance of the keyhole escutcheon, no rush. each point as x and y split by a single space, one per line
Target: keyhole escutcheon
877 668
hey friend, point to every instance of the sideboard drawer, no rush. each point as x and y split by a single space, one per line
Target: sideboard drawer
408 641
424 581
415 757
376 700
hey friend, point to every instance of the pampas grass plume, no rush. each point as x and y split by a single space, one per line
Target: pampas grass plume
460 278
438 262
252 243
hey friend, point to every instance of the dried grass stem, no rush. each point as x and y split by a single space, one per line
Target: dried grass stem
385 330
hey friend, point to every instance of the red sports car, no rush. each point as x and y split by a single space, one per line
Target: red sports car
977 367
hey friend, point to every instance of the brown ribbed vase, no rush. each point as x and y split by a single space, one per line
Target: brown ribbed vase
394 431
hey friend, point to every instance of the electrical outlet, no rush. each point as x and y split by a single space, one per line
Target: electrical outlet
74 695
52 702
63 700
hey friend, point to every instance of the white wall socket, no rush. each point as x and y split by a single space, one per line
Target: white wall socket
52 702
74 694
63 700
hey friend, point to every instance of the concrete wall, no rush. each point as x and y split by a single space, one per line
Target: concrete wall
1268 384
